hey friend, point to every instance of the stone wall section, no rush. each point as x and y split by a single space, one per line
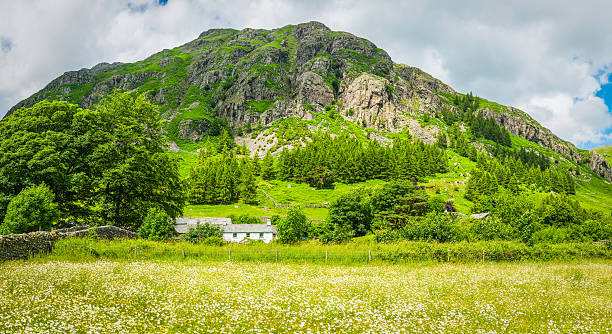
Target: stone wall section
22 246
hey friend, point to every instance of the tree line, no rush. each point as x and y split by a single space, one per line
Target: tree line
480 126
491 174
222 178
326 160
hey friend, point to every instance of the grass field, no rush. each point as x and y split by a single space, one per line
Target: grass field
158 296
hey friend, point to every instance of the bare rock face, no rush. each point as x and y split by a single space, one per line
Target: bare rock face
313 90
193 130
599 165
365 101
530 130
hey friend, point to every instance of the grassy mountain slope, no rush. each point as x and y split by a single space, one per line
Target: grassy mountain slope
274 88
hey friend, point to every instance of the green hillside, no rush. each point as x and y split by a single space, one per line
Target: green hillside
605 151
261 121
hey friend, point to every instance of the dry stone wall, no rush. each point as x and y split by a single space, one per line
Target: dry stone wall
22 246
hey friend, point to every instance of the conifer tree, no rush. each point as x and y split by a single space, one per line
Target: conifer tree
248 191
267 167
442 141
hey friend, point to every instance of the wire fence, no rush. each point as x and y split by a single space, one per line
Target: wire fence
334 255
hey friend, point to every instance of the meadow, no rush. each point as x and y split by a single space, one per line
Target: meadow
212 297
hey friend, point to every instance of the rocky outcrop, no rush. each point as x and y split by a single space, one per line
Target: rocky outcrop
599 165
63 84
530 130
193 130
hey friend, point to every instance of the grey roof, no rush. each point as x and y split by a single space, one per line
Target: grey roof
248 228
183 224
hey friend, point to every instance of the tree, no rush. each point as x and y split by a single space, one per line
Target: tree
248 193
206 233
352 214
156 225
31 210
442 141
226 142
138 173
106 164
294 227
267 167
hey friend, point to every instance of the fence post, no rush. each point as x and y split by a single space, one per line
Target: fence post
183 251
325 255
230 254
448 255
369 255
276 254
483 256
135 251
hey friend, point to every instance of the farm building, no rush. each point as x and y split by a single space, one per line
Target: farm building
183 224
231 232
240 232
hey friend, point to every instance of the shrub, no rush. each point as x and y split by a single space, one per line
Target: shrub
157 225
31 210
294 227
205 233
244 219
553 235
595 230
434 227
490 229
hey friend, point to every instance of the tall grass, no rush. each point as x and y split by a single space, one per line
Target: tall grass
363 251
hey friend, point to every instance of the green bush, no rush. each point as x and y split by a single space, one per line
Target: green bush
206 234
489 229
434 227
244 219
31 210
349 216
596 230
437 227
157 225
554 235
294 227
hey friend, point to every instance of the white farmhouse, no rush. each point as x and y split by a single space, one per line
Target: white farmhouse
240 232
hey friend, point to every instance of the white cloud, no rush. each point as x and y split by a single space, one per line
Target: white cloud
578 120
548 57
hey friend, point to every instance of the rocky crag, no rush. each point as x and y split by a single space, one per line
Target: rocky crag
255 77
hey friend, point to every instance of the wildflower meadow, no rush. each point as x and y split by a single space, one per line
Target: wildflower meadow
215 297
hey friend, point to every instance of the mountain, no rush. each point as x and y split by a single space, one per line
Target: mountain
253 80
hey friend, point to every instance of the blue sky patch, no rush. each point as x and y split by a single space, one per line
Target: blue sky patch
144 7
606 93
6 45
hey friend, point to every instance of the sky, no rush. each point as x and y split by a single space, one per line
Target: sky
550 58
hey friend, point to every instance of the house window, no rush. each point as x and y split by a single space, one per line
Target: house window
261 235
248 235
235 235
